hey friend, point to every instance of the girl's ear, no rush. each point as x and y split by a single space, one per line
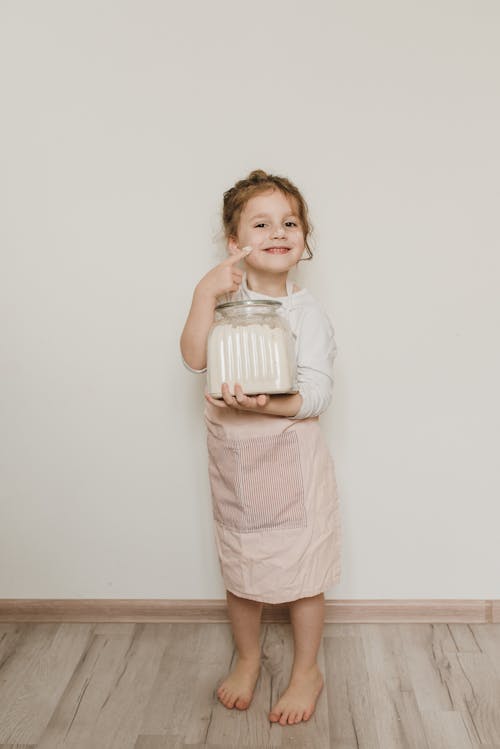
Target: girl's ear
232 245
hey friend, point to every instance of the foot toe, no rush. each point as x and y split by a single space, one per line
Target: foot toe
226 698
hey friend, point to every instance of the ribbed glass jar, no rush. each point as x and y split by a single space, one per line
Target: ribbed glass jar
251 344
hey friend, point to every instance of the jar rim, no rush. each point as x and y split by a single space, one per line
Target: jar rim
249 303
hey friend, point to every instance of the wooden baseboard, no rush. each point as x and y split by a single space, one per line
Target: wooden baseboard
175 610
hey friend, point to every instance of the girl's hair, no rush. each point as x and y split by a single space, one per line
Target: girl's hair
256 183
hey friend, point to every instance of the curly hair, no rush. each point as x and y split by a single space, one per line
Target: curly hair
256 183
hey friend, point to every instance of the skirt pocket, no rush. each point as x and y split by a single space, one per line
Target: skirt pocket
257 482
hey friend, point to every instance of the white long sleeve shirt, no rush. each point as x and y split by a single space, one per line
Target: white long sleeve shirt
315 346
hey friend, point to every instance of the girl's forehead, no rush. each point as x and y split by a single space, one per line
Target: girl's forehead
267 202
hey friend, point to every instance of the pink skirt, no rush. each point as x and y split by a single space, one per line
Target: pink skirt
275 505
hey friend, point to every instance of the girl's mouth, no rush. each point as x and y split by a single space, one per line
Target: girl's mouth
277 250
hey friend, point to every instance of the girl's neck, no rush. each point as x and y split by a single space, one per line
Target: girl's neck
269 284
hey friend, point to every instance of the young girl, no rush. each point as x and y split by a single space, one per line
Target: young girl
270 450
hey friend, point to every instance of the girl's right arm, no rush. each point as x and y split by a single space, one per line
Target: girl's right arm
222 279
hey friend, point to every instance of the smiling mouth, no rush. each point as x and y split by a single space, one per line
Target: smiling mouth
277 250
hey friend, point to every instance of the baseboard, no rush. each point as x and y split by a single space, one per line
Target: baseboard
174 610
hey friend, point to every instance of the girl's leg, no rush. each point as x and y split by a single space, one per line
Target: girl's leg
297 703
237 689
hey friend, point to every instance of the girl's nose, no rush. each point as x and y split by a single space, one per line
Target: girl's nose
279 232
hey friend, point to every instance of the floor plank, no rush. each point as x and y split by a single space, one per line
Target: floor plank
41 661
487 637
351 716
445 729
484 706
397 718
162 742
183 699
425 653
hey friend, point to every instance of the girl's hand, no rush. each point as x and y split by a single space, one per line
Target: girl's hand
225 277
239 400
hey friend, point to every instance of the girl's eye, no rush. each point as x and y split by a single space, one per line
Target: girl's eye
257 226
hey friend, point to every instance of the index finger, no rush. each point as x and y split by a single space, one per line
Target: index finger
238 255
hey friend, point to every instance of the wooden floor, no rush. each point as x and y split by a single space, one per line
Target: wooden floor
152 686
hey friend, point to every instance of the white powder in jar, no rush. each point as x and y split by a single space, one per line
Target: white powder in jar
255 356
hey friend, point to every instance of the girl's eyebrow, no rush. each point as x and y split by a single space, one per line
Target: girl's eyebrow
267 215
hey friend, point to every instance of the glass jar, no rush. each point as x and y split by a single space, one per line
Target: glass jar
251 344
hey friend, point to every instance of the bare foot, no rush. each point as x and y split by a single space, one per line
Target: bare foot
299 699
237 689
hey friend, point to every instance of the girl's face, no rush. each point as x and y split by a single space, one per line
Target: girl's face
270 224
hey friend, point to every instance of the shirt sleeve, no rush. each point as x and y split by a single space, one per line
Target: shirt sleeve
315 356
196 371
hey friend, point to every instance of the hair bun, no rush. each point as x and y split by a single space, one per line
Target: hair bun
258 175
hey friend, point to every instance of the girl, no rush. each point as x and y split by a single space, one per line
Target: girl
291 551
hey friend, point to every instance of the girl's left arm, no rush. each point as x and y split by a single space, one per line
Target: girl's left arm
283 405
315 358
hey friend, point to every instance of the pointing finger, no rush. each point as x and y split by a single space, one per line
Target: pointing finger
239 255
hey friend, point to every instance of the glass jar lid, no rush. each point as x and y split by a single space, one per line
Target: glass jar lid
250 303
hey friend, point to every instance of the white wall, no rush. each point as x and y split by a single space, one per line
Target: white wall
122 124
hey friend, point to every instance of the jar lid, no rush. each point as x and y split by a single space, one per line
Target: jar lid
249 303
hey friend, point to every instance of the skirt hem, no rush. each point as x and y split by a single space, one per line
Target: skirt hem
305 594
